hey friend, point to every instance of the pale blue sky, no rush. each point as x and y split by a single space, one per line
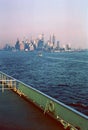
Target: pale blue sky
67 19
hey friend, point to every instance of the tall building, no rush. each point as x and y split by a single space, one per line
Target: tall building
58 45
53 39
17 45
41 37
22 45
40 45
67 47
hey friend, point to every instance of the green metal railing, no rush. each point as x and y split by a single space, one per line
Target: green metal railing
61 112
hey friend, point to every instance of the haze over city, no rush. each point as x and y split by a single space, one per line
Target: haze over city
66 19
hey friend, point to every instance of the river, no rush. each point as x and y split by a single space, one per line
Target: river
62 75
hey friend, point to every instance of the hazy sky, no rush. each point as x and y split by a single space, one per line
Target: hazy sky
67 19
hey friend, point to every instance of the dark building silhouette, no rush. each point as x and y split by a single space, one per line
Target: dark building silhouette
40 45
53 39
17 45
7 47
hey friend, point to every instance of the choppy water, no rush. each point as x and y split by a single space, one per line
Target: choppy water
63 76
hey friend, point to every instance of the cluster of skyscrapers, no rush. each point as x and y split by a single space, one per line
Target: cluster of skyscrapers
38 44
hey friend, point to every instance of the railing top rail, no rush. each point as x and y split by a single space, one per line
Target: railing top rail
8 80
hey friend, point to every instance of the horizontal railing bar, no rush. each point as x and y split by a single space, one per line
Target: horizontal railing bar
7 80
5 88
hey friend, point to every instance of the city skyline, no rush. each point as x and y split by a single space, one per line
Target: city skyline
67 19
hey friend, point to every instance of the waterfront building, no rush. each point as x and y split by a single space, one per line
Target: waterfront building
35 43
58 45
53 39
26 46
17 45
41 37
22 45
67 47
30 46
8 47
40 45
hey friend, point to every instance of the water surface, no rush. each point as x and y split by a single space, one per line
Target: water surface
63 76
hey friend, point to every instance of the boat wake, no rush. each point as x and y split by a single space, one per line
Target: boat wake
66 59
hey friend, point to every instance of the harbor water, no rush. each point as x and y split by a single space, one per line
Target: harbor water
62 75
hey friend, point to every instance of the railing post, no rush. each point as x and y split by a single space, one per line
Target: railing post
14 85
2 77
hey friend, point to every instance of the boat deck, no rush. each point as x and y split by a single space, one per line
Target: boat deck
18 114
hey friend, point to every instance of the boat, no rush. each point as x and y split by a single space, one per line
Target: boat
68 117
40 54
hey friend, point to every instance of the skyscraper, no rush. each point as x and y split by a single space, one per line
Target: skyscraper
53 39
17 45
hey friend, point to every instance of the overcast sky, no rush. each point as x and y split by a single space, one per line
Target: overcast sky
67 19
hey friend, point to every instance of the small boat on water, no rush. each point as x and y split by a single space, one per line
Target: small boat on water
40 54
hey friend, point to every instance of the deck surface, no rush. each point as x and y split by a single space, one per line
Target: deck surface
18 114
